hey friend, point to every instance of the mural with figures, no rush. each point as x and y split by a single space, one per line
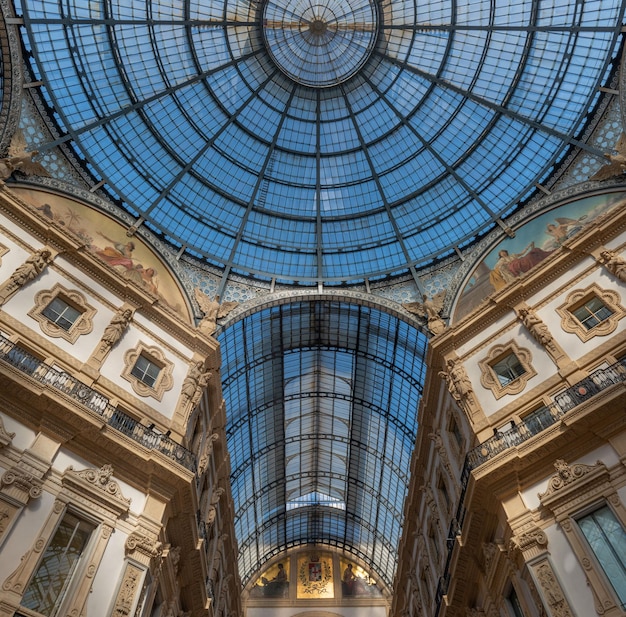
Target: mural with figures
533 242
107 240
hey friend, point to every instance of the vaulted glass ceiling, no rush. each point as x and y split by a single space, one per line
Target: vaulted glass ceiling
322 404
320 141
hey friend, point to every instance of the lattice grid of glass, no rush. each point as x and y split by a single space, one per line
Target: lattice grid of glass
322 419
350 141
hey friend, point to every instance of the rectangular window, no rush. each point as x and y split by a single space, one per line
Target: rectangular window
456 431
607 540
58 564
508 369
515 607
61 313
146 371
592 312
441 485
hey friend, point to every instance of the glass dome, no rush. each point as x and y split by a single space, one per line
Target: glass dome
327 141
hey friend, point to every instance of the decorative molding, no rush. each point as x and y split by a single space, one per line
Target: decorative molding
194 385
567 474
139 544
551 590
95 491
437 440
113 332
614 263
534 538
20 484
206 455
490 552
578 297
82 325
460 386
31 269
5 437
125 599
164 381
540 332
488 377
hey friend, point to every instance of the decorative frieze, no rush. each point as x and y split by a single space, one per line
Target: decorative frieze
131 584
551 590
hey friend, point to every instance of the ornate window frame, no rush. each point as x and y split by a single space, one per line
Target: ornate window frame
91 495
576 490
82 325
578 297
164 381
489 378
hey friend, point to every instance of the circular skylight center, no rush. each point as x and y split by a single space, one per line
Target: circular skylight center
320 44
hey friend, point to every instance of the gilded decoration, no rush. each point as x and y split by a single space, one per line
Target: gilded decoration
315 576
75 299
274 583
356 582
578 298
164 381
489 378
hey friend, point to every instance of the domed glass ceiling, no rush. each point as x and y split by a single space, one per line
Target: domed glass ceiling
325 141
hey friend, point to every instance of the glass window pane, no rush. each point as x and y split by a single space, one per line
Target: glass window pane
146 371
607 539
61 313
593 312
507 369
59 561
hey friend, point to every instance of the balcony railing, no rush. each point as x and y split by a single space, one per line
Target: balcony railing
546 416
532 425
94 402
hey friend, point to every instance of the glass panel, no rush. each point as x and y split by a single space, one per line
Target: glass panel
46 588
607 539
146 371
592 313
508 369
61 313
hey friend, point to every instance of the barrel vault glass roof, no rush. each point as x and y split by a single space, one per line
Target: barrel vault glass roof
326 140
322 408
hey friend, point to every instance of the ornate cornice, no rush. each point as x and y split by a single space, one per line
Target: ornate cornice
12 76
567 474
94 488
143 544
23 481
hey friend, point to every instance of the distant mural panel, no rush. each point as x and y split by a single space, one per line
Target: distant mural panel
533 242
107 240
